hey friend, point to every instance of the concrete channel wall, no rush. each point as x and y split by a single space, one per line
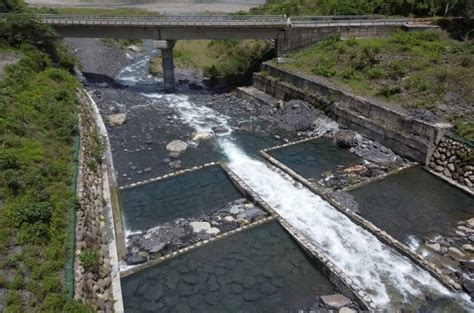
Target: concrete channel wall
407 136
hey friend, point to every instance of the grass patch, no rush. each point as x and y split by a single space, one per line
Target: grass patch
419 70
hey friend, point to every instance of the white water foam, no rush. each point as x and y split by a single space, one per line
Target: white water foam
137 73
201 118
373 266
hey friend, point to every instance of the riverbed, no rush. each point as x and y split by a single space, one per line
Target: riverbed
235 131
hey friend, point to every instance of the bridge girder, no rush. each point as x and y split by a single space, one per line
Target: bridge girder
169 33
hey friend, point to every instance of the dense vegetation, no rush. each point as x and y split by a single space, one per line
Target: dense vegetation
359 7
229 61
94 11
37 126
419 70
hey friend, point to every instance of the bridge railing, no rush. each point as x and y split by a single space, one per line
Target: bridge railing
311 22
160 20
215 20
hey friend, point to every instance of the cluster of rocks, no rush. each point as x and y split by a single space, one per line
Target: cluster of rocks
92 284
375 160
455 161
454 254
169 237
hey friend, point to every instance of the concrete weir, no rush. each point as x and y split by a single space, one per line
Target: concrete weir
377 232
336 276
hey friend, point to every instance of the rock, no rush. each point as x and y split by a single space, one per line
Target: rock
435 247
447 173
147 169
134 48
468 285
177 146
174 155
220 130
213 231
155 293
345 138
117 119
336 301
200 226
172 280
346 200
439 168
253 213
347 310
229 218
468 247
175 165
470 222
235 210
456 254
358 168
201 136
135 259
251 295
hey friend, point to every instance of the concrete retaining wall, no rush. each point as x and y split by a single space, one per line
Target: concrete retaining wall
301 37
407 136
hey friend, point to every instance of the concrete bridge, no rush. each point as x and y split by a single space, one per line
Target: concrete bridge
287 33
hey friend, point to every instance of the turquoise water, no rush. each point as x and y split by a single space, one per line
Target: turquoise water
413 202
259 270
191 194
312 158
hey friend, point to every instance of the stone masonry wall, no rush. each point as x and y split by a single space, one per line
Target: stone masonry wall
92 276
455 161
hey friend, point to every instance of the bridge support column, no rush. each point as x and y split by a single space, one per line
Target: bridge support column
168 66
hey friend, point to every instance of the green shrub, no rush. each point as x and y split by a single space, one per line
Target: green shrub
89 259
376 73
388 91
32 213
323 70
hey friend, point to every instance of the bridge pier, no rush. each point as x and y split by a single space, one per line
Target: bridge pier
167 64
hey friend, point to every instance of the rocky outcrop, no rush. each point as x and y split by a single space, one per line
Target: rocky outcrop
92 263
455 161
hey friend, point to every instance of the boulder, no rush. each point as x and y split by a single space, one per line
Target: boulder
178 146
220 130
134 259
335 301
117 119
201 136
199 226
345 138
175 165
213 231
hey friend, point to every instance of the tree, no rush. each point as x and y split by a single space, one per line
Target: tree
7 6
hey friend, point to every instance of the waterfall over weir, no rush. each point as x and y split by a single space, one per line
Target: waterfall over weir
391 279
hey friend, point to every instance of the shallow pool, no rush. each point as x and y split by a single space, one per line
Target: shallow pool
312 158
182 196
413 202
259 270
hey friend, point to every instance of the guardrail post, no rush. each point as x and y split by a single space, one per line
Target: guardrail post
168 66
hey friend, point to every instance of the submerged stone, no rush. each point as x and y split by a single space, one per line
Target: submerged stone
336 301
177 146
